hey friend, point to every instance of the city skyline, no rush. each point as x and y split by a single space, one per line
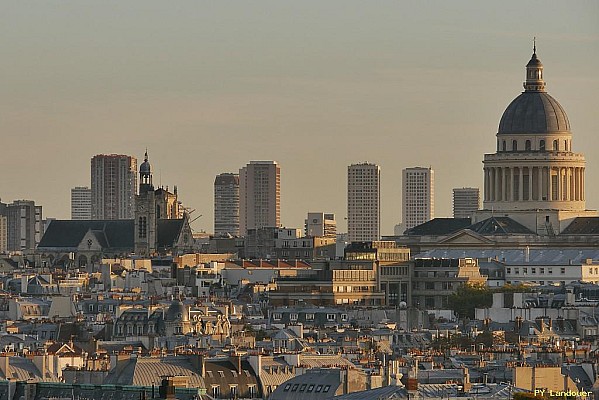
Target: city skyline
303 97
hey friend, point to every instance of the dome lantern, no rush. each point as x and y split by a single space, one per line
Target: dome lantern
534 73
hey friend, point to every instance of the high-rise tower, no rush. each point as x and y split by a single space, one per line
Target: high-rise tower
466 201
418 196
363 202
259 195
81 203
226 204
113 185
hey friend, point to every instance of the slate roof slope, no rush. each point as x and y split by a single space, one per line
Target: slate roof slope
67 234
146 371
582 226
439 226
168 231
23 369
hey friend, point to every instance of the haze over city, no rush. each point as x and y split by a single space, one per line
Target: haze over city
207 87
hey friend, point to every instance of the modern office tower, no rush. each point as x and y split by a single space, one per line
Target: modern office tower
418 196
226 204
259 195
465 202
23 224
321 224
113 181
3 234
363 202
81 203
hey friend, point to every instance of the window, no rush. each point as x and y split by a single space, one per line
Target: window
527 146
318 389
252 390
541 270
429 285
504 146
287 387
221 373
309 317
542 145
508 270
533 270
233 391
326 388
276 316
303 387
555 145
215 391
525 270
516 271
343 317
294 388
331 317
562 270
310 388
514 145
293 317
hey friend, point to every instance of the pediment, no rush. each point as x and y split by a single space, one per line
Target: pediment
89 242
466 236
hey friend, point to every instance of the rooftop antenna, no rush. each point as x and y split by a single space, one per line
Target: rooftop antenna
534 45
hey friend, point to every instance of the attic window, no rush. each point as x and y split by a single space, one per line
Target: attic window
318 389
326 388
287 387
310 388
221 373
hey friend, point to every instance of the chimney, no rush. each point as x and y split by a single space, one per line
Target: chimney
167 389
256 363
236 361
5 365
199 363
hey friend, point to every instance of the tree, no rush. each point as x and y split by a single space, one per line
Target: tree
468 297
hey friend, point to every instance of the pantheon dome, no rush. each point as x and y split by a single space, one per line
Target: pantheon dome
534 167
534 112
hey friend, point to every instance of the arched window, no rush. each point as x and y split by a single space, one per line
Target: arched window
527 145
504 146
566 145
542 145
142 229
514 145
555 145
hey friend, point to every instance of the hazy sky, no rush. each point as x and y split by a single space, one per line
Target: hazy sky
207 86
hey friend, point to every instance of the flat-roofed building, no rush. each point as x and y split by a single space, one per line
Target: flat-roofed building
363 202
81 203
226 204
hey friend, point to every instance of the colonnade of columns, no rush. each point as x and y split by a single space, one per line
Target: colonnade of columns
534 183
